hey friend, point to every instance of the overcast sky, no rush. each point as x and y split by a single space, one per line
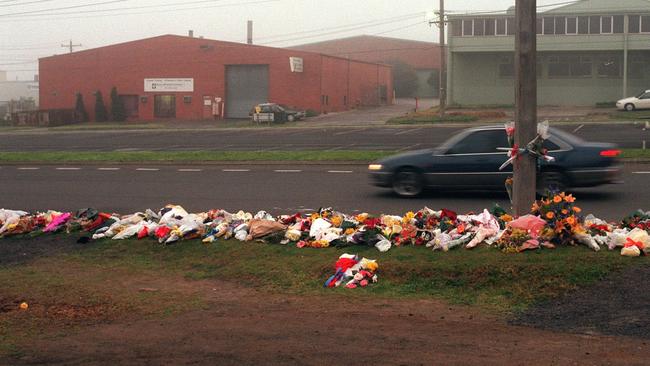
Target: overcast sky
35 28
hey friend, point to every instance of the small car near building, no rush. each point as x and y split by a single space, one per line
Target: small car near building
471 159
641 101
274 113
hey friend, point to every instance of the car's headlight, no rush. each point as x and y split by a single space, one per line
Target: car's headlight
375 167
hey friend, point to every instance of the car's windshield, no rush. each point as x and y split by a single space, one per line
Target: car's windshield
640 95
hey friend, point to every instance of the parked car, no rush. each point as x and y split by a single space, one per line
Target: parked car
641 101
471 160
281 112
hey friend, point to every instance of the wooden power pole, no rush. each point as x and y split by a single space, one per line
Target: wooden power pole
442 79
70 46
525 167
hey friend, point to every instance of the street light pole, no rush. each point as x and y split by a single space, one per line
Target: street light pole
443 62
525 167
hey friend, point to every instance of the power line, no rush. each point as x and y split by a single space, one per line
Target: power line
64 8
27 3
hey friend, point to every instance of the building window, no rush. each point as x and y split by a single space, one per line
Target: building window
506 67
560 25
581 67
549 25
512 26
456 28
572 25
609 67
594 24
637 68
559 67
479 27
489 27
583 25
634 24
501 27
468 27
187 99
606 23
645 24
540 26
619 24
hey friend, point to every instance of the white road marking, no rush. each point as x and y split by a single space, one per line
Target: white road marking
577 129
287 171
235 170
68 168
340 171
408 131
30 168
148 169
108 169
640 172
349 132
190 170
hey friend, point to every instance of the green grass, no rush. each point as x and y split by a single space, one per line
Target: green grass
430 119
628 116
101 281
218 156
606 104
190 156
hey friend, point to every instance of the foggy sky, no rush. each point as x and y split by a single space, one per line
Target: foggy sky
278 23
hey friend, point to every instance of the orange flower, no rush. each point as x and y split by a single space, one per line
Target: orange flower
571 220
506 218
550 215
565 211
557 199
577 209
570 198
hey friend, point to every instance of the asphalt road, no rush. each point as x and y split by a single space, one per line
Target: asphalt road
275 188
627 135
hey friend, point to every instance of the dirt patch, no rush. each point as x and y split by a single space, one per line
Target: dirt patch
618 305
241 326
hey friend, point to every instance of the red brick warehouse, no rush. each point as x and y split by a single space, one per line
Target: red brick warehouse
182 77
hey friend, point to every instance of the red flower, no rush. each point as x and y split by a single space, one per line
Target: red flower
448 213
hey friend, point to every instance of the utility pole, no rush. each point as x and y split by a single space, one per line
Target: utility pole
442 79
70 46
525 167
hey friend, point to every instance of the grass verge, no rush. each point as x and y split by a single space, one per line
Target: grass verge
102 282
190 156
424 119
217 156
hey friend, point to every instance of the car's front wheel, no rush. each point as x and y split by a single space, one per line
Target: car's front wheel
408 182
629 107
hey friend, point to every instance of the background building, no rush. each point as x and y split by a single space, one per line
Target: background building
424 57
184 77
17 95
589 51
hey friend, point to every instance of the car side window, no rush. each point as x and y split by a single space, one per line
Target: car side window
550 145
481 142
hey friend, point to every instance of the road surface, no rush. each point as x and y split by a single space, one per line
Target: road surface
275 188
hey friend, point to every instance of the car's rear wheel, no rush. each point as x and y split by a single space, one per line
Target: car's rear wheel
408 182
629 107
291 118
551 180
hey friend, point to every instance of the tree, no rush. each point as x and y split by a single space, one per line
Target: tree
101 114
405 79
80 108
117 106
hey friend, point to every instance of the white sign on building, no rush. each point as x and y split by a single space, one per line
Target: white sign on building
296 64
169 85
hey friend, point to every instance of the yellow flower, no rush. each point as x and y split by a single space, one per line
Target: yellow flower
361 217
337 221
550 215
557 199
577 209
408 217
314 216
349 231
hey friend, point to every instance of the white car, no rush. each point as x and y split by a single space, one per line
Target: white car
641 101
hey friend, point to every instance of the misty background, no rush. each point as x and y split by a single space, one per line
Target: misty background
30 29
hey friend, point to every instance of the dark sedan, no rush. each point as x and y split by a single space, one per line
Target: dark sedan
471 160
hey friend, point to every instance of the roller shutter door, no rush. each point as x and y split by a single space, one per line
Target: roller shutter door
246 86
